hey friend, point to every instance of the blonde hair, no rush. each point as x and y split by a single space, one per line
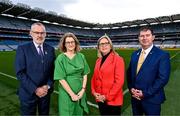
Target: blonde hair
99 54
62 46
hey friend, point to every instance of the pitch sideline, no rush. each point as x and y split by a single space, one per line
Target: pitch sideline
89 103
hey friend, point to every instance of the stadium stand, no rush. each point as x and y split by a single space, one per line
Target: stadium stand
15 21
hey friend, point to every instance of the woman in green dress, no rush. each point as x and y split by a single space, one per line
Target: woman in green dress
71 71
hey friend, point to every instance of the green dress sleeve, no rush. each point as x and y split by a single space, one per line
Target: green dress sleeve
59 71
86 66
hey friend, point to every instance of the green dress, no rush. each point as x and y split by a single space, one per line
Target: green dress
71 70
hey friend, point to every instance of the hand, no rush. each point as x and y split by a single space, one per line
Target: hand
81 93
138 94
74 97
137 97
45 87
41 91
101 98
133 92
96 95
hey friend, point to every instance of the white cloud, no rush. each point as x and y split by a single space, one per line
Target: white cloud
108 11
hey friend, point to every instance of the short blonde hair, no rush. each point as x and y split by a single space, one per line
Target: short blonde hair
99 54
62 46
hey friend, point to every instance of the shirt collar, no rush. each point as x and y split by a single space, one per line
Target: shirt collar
36 45
147 50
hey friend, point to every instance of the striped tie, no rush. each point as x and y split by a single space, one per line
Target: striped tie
140 61
40 52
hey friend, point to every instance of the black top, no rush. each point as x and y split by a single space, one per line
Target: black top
104 58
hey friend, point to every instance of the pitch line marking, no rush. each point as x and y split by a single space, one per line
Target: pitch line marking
56 92
174 55
89 103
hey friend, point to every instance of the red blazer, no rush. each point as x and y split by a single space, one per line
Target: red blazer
108 79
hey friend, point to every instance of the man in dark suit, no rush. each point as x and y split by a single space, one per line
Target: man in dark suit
34 69
148 73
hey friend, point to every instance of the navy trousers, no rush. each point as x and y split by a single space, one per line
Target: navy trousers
140 108
31 107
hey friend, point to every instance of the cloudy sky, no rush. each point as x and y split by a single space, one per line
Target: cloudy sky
107 11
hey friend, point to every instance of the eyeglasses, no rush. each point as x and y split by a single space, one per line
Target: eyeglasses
104 44
41 33
70 42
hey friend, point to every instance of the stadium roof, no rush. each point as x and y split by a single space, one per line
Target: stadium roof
25 11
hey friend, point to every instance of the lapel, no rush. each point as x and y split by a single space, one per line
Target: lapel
136 58
34 50
148 59
107 62
98 68
105 65
45 51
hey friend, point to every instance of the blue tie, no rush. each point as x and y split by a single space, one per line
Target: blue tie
40 52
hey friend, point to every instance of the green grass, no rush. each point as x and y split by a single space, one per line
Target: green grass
9 103
172 103
172 91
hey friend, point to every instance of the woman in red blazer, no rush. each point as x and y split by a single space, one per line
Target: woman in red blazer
108 78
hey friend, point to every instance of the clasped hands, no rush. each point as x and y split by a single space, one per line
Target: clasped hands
75 97
100 97
138 94
42 91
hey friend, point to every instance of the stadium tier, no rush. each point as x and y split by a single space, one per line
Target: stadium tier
15 22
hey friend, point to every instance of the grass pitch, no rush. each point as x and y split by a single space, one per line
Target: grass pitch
9 103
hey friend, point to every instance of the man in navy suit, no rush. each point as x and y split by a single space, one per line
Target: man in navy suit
146 84
34 69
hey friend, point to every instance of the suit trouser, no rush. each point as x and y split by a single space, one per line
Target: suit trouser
147 108
106 109
30 107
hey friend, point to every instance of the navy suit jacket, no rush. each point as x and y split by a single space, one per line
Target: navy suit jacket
152 76
32 71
